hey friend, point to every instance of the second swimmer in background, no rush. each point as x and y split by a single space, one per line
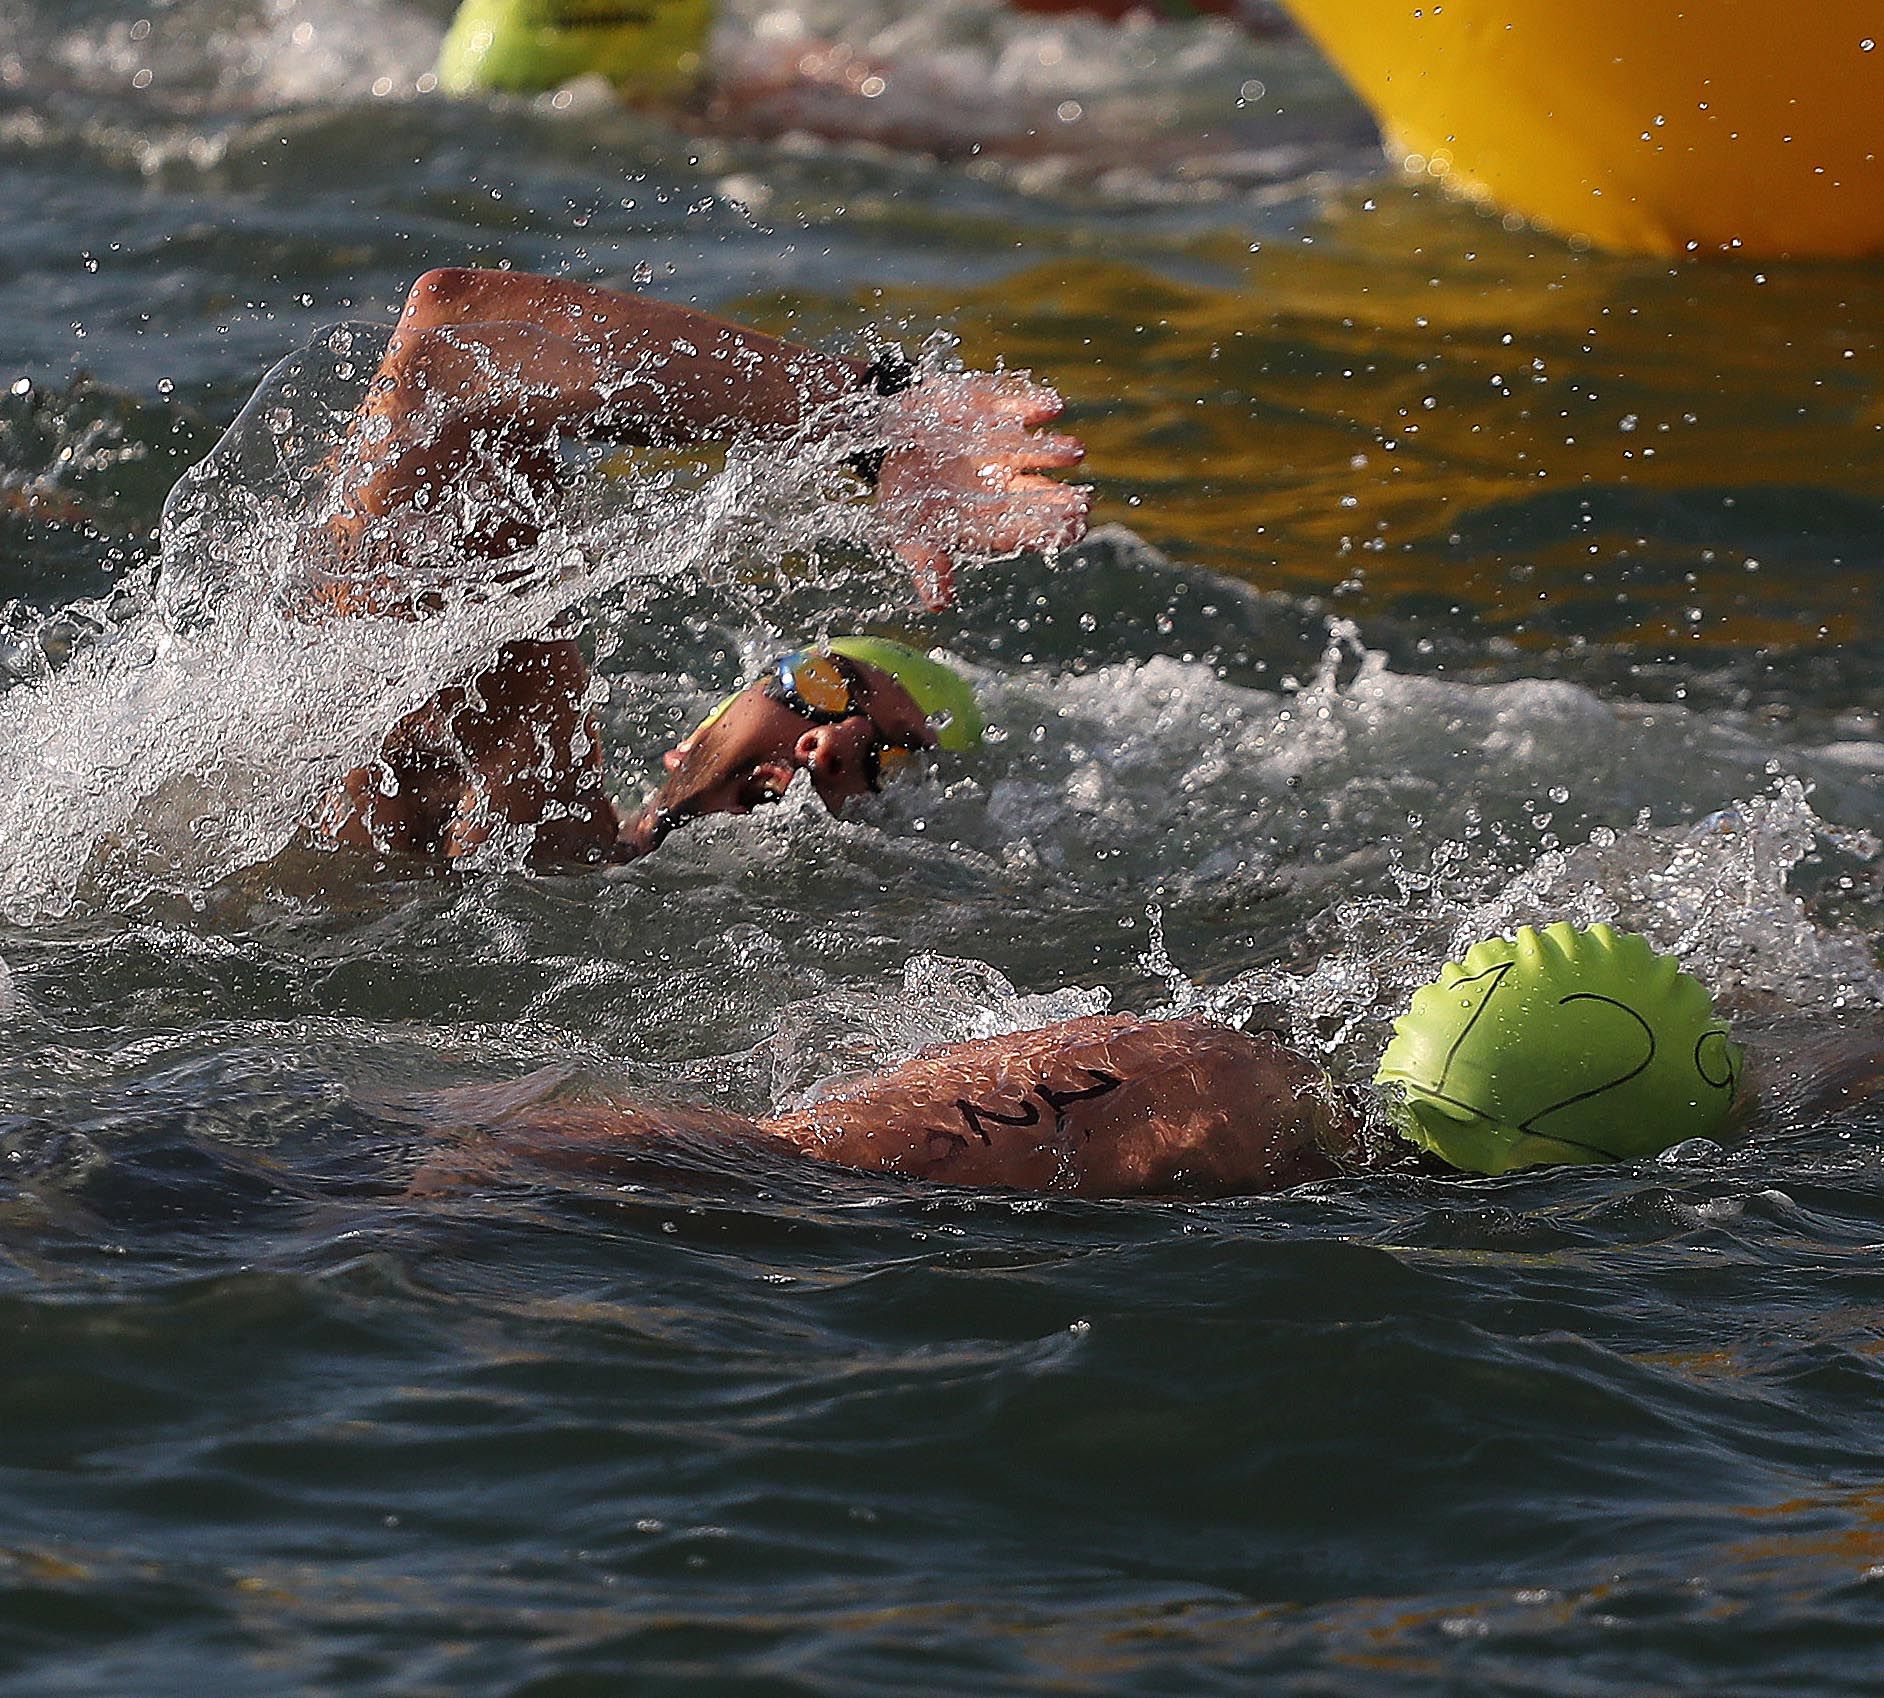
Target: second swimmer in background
656 50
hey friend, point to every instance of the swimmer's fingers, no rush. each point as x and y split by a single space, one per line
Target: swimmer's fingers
981 505
971 402
1052 506
1033 513
1045 450
1010 396
965 475
988 512
932 570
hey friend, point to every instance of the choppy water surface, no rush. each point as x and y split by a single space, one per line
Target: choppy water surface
1447 579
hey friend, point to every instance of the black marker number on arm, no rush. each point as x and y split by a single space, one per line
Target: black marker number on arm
1060 1101
974 1116
978 1117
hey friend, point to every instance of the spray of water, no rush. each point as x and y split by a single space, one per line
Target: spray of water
1222 767
210 713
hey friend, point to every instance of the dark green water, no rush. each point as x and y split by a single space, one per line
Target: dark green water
1447 579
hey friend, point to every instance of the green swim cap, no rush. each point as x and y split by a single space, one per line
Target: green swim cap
945 698
647 47
1563 1045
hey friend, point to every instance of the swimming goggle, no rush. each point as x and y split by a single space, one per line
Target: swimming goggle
826 689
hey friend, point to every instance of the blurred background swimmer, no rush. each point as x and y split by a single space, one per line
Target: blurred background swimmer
460 429
948 80
657 50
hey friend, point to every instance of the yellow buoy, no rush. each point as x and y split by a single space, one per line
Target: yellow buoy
1651 126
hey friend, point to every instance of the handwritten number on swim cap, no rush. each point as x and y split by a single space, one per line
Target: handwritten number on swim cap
1729 1079
1642 1066
1497 977
1648 1065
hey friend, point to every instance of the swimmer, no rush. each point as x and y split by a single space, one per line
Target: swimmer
1559 1045
485 372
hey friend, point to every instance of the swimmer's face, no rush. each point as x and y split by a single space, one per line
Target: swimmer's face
749 755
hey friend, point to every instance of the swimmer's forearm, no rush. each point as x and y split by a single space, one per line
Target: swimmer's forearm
597 1139
636 368
489 362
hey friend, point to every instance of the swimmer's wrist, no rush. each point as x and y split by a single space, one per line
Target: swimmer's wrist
890 372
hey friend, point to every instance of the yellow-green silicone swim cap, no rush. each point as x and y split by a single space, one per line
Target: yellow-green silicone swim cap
1562 1045
649 48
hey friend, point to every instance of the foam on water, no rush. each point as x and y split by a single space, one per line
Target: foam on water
1345 833
256 53
1322 850
275 1422
231 53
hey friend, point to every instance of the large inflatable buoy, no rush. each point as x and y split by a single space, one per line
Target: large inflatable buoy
1649 126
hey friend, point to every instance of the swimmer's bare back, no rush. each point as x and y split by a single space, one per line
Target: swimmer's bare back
1105 1106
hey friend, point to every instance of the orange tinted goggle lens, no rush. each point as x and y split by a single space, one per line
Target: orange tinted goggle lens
818 682
894 761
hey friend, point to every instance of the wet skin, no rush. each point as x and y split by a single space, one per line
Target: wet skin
519 748
1105 1106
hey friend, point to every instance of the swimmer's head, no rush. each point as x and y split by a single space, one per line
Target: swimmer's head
1561 1045
851 714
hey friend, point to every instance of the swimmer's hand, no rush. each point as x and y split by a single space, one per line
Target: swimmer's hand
961 475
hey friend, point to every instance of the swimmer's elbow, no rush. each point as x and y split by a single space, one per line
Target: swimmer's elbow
445 295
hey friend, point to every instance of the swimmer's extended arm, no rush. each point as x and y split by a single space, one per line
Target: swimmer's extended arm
1108 1106
492 1135
624 366
497 365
